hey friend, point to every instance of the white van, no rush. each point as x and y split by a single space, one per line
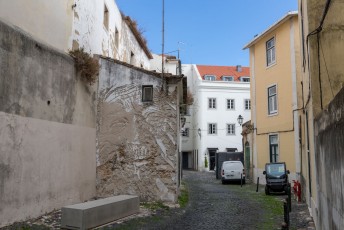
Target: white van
232 171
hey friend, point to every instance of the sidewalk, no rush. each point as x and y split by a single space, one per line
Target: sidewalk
300 218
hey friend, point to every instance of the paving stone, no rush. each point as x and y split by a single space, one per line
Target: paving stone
211 206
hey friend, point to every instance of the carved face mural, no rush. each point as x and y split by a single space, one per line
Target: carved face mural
137 151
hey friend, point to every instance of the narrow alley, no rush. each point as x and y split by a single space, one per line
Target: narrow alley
215 206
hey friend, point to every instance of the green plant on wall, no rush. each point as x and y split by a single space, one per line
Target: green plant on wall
205 162
87 66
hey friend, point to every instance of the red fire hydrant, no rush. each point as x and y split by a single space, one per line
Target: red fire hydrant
297 190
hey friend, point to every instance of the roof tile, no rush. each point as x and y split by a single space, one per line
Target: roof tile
220 71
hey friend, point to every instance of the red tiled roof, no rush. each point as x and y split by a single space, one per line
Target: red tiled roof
220 71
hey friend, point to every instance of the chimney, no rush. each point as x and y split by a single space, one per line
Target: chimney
238 68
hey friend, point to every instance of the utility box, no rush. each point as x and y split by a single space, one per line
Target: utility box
226 156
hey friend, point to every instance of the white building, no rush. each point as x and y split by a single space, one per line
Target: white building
95 25
221 94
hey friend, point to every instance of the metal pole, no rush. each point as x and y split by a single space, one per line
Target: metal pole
257 184
163 43
289 196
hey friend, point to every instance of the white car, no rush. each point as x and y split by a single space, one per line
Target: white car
232 171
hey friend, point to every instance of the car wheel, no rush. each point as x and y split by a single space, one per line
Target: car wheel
267 190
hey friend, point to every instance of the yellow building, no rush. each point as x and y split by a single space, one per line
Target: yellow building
275 68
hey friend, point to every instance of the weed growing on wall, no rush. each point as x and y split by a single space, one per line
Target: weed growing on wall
86 65
189 98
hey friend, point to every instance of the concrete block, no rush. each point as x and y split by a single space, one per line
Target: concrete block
98 212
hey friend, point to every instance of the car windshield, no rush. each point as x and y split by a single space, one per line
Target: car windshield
232 165
275 170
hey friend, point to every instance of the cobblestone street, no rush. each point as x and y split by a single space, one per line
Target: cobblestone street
216 206
211 205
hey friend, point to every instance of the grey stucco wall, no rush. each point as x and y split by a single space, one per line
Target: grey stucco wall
137 150
329 133
47 129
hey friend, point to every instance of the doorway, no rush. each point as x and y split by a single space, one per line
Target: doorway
185 160
212 152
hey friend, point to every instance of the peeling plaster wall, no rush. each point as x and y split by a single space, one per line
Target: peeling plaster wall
329 133
89 32
64 27
137 149
47 129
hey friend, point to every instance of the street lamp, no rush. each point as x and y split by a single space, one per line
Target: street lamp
199 132
240 120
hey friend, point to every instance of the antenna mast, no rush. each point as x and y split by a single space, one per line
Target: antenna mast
163 43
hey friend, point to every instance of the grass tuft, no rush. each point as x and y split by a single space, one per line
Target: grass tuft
183 198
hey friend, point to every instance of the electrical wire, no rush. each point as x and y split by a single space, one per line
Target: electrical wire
316 32
328 76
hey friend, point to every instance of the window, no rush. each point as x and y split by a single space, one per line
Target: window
230 104
231 150
132 58
212 103
272 99
270 52
230 129
227 78
247 104
212 128
147 93
209 77
185 132
116 38
106 18
273 141
245 79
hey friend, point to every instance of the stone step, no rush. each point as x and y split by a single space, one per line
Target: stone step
98 212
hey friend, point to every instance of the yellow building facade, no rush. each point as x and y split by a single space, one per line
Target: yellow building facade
275 68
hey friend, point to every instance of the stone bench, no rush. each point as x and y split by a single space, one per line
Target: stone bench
98 212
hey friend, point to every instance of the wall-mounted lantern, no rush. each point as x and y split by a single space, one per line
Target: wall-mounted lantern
240 120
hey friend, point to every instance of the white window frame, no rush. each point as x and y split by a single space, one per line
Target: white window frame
247 102
212 128
277 154
232 107
106 18
230 129
227 78
271 51
209 78
242 79
145 90
186 132
272 100
212 103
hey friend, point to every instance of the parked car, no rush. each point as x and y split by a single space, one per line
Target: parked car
276 176
232 171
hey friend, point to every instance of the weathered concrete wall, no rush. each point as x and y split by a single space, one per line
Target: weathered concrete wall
49 21
329 132
137 151
47 129
327 83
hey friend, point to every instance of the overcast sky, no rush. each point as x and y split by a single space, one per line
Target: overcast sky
207 32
